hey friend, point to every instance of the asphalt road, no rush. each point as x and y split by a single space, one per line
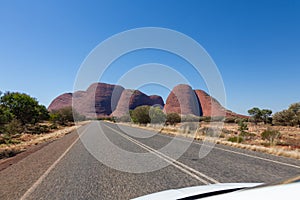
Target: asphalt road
125 162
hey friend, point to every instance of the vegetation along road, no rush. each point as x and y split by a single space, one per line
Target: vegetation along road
64 169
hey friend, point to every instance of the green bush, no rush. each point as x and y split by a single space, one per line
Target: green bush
217 118
62 116
243 127
112 119
190 118
211 132
270 135
173 118
157 116
230 120
14 127
5 117
11 130
9 153
140 115
190 126
38 129
53 126
289 117
205 119
23 107
124 118
236 139
238 120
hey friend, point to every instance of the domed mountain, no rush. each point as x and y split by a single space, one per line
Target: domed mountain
183 100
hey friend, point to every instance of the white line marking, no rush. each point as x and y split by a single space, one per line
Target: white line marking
45 174
240 153
231 151
190 171
265 159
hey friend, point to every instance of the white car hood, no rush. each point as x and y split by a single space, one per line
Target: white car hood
196 190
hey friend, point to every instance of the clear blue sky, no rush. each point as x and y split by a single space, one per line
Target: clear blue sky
255 44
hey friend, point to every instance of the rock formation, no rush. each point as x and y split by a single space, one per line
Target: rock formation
209 105
183 100
64 100
101 99
130 99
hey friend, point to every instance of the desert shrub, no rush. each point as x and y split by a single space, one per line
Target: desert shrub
270 135
190 118
38 129
211 132
227 132
11 130
189 126
205 119
289 117
14 127
243 127
124 118
107 118
238 120
140 115
157 116
230 120
53 126
62 116
217 118
8 153
173 118
77 116
236 139
283 118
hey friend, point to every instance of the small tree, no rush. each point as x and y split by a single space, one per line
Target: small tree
266 113
255 114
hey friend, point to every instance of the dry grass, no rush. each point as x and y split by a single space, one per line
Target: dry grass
26 140
288 144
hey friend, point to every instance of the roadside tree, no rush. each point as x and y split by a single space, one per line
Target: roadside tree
256 114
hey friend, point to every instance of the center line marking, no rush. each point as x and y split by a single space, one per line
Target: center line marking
186 169
227 150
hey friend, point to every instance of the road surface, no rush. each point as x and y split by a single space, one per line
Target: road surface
65 169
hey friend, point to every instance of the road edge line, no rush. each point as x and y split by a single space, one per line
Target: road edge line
45 174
